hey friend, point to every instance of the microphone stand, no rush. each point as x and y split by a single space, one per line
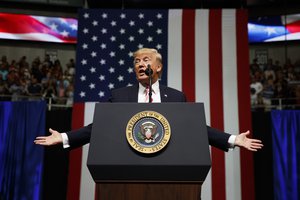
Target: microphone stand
149 72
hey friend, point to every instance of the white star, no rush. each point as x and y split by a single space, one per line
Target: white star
94 38
270 30
113 38
159 16
158 46
101 94
141 31
104 30
159 31
111 70
130 54
131 38
74 27
131 23
84 62
85 31
112 54
82 94
92 69
121 78
103 46
122 31
121 62
94 54
53 27
130 70
82 78
150 23
102 77
122 46
123 16
102 62
84 46
150 39
140 46
65 33
111 86
92 86
104 15
95 23
86 15
141 16
113 23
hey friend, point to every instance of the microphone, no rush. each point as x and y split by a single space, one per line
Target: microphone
148 71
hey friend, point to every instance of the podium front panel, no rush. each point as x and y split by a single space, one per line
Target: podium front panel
186 157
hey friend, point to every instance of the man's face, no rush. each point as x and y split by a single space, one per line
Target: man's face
141 62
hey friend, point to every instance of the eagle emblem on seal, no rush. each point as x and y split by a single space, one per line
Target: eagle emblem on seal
148 132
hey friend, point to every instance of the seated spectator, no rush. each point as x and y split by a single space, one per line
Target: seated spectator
3 71
50 92
35 88
268 92
70 95
255 88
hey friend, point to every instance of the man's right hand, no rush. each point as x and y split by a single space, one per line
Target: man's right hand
53 139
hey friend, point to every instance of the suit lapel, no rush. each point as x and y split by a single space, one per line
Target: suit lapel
163 93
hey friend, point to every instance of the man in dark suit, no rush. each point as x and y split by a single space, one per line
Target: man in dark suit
144 58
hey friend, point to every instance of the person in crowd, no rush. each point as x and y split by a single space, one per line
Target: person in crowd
268 91
3 71
255 88
4 62
142 58
269 70
35 88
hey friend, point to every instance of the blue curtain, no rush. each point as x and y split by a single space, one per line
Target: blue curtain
21 161
286 154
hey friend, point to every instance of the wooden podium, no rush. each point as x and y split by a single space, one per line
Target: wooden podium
174 173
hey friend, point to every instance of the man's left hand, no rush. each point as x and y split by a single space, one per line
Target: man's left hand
251 144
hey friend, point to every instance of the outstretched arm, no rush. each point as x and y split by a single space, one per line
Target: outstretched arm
53 139
248 143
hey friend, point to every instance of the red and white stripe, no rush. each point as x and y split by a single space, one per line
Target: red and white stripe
208 60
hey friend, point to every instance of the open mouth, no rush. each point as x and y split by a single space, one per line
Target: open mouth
141 72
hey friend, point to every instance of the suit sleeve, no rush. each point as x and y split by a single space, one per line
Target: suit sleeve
217 138
80 137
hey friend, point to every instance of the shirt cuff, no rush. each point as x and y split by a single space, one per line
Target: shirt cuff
231 141
65 140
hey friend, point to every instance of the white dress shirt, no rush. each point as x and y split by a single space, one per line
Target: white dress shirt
155 93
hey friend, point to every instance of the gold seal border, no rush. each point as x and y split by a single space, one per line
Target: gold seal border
145 114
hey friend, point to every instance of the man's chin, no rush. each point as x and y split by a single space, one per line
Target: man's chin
143 79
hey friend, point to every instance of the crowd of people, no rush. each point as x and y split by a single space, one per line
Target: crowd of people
274 85
40 79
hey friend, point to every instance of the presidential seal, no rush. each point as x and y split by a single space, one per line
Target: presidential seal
148 132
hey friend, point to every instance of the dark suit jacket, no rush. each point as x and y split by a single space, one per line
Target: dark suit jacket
82 136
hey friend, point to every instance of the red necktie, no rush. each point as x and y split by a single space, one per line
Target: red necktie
147 95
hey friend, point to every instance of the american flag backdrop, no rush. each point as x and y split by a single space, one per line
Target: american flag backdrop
205 55
38 28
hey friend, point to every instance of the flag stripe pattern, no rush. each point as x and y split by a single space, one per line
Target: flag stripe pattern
246 158
207 60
